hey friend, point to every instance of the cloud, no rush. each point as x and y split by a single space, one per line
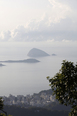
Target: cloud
59 11
55 24
22 34
5 36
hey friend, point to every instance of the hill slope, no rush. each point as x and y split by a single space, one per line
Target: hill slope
33 111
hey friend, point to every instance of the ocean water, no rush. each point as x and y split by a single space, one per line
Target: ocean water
29 78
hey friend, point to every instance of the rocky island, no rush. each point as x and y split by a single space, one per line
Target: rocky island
1 65
37 53
53 54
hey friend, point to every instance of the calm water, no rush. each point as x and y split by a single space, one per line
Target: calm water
24 78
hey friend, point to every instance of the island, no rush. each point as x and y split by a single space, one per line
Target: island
37 53
21 61
53 54
1 65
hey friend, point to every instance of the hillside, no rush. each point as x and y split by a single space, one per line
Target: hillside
33 111
23 105
43 99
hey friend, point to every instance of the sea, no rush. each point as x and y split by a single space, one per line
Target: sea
30 78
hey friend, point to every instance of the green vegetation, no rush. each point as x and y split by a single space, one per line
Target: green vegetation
1 108
34 111
1 104
4 114
64 85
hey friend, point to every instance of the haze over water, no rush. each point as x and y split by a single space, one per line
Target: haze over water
29 78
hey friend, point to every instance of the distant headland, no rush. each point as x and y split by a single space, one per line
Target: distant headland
21 61
37 53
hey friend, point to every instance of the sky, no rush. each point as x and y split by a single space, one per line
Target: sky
38 21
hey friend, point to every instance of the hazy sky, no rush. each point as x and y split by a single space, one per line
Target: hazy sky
38 20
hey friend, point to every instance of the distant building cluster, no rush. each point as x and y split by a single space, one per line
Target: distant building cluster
38 100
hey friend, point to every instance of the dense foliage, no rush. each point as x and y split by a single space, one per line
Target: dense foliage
1 104
2 112
64 85
34 111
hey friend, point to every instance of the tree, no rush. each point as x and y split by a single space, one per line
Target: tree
64 85
1 107
1 104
